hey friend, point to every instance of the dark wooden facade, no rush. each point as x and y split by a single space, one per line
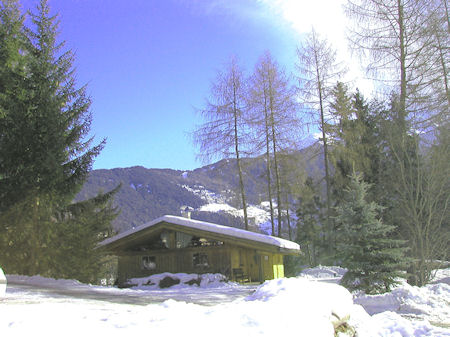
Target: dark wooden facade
179 245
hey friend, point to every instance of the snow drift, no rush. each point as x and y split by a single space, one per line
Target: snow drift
300 306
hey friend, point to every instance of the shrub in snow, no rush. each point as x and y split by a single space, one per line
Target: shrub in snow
196 281
341 326
168 281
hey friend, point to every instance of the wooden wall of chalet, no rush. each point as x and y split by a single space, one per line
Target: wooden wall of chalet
256 265
174 261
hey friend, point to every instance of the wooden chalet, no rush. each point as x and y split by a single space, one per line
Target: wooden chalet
182 245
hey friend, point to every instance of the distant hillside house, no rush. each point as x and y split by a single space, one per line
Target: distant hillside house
182 245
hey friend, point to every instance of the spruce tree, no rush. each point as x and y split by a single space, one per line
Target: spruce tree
61 111
353 136
310 224
365 245
82 226
45 156
13 96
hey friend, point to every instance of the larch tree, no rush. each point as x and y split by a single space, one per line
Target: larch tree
224 132
274 118
318 73
400 38
439 29
292 173
419 178
407 45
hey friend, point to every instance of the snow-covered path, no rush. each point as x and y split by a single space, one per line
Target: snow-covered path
19 291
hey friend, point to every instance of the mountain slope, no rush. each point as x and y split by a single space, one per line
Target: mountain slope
211 190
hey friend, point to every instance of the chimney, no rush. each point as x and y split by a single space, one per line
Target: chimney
186 211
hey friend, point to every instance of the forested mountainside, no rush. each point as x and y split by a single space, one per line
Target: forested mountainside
150 193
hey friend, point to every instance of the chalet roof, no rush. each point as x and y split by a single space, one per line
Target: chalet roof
207 227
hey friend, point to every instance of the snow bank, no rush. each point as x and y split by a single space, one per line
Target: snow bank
315 305
431 302
441 276
392 324
41 281
422 305
331 274
300 306
200 280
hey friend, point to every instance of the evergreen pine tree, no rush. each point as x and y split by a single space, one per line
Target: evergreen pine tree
60 110
82 226
44 155
13 96
373 258
353 136
310 224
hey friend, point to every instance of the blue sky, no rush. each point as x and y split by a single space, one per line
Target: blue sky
149 63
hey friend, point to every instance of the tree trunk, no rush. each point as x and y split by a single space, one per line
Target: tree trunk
444 68
238 160
275 160
268 170
402 105
277 177
288 217
325 148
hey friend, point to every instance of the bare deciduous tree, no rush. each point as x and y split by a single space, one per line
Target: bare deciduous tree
223 133
400 38
319 72
422 186
273 107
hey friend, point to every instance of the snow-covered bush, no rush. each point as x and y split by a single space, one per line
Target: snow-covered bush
166 280
324 273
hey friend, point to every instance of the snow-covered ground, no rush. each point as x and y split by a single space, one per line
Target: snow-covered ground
301 306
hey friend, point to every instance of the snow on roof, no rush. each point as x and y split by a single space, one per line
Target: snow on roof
208 227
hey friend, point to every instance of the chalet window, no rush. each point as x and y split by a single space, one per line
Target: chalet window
200 260
203 242
148 263
154 243
183 240
165 239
